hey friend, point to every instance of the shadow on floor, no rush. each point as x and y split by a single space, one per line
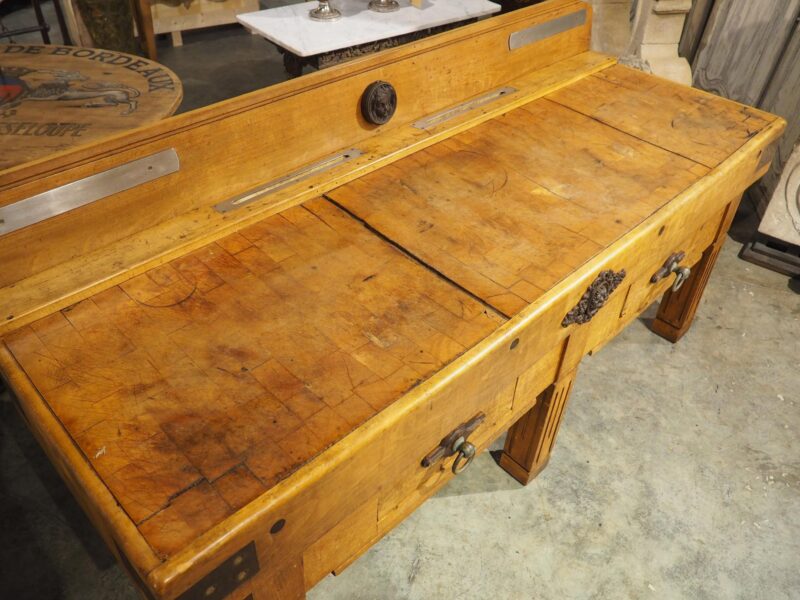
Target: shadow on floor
218 63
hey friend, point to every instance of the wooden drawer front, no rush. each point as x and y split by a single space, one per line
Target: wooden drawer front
331 521
382 457
650 253
643 293
413 484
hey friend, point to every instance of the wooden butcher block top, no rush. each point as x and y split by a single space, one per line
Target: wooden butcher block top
181 360
512 206
194 387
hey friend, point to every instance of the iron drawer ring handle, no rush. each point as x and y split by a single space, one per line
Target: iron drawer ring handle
672 265
681 275
466 452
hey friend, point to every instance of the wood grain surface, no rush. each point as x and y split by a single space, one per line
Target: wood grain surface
58 97
295 367
514 205
237 145
197 385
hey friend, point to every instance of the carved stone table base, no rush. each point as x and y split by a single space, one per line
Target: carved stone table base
294 64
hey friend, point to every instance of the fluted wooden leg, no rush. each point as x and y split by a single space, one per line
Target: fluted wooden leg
677 310
530 440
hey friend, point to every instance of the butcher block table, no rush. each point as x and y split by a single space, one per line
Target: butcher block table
261 334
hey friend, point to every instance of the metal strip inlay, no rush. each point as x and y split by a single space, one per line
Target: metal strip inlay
329 162
458 109
87 190
536 33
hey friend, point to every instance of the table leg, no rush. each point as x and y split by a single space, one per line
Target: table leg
144 21
530 440
62 24
44 28
677 309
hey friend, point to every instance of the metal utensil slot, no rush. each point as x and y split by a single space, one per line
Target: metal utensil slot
536 33
87 190
459 109
294 177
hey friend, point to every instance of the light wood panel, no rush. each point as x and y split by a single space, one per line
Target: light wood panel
689 122
195 386
48 289
171 16
515 204
234 146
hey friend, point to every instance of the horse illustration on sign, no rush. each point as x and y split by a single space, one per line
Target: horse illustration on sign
19 84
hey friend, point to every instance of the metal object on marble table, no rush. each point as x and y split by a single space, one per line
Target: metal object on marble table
325 12
384 5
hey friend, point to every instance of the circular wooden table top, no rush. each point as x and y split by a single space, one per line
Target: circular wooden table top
55 97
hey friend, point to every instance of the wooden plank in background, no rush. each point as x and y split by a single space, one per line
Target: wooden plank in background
183 16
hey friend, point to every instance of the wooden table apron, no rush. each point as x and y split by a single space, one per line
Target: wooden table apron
242 400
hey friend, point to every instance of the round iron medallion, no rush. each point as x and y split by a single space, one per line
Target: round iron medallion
379 102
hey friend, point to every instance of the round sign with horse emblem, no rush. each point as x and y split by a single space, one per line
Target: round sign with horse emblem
55 97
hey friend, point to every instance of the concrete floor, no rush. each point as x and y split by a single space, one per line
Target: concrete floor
676 473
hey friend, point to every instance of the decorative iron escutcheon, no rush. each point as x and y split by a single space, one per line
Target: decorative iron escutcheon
672 265
379 102
456 442
594 298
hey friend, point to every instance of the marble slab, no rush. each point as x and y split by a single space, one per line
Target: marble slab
290 26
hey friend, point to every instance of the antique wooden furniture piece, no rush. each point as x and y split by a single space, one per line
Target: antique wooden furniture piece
42 26
176 17
53 98
310 33
291 326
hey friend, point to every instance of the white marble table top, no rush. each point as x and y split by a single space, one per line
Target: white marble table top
290 26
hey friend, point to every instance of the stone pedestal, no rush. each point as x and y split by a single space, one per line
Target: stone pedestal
782 217
657 29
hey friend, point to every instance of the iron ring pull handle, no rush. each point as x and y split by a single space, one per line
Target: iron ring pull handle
672 265
456 443
465 453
